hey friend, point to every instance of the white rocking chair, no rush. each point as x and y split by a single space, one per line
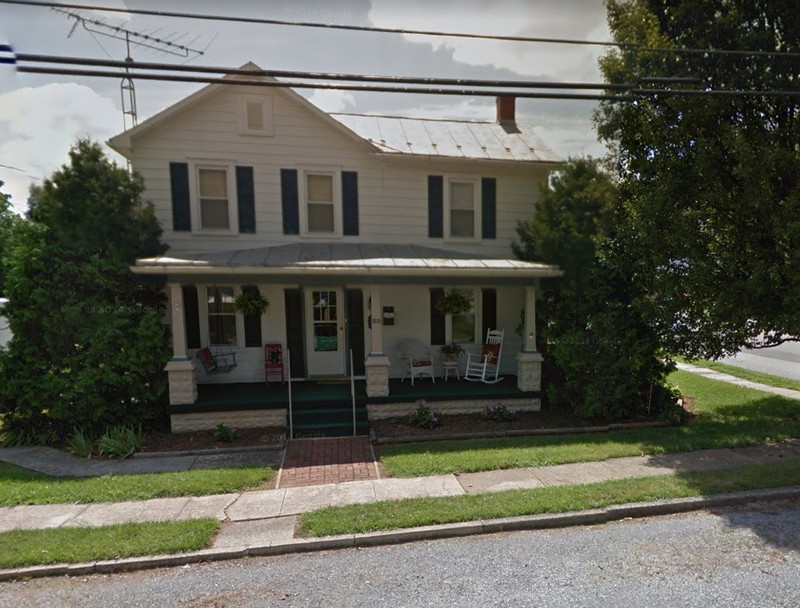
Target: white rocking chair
417 358
486 367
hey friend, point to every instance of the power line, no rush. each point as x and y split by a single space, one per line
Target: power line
320 85
386 30
523 84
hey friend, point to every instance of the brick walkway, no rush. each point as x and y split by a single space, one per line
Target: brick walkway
311 462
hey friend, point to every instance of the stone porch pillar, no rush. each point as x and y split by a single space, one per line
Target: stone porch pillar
180 370
529 361
377 365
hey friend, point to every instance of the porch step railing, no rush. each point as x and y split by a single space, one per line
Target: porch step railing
289 374
353 393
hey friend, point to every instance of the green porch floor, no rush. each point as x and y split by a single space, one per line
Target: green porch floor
252 396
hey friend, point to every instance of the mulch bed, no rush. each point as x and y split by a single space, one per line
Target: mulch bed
382 430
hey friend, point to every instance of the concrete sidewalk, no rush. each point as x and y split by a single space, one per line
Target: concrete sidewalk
714 375
265 517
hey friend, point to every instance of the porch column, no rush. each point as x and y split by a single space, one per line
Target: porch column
377 364
180 370
529 361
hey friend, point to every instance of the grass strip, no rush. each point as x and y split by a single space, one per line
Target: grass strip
414 512
21 548
746 374
728 416
23 487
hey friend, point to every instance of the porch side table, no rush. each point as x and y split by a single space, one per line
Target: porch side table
448 367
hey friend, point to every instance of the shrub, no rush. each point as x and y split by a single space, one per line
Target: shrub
425 417
224 433
120 441
498 412
80 444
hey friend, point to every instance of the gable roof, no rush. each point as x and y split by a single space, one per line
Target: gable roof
393 136
464 139
123 142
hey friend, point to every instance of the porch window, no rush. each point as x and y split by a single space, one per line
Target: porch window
462 329
212 190
320 203
221 316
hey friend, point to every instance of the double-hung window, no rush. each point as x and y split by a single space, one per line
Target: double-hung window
462 205
462 326
322 204
215 206
221 316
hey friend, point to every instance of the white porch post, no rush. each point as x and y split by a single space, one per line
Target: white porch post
377 365
529 361
180 370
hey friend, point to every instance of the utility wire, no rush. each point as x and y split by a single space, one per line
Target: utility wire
462 82
363 28
631 95
321 85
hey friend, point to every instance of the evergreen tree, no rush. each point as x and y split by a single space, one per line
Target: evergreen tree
88 346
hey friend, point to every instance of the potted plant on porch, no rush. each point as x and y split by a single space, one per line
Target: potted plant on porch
454 302
251 302
451 352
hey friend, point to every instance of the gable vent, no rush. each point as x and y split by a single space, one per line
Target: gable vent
255 116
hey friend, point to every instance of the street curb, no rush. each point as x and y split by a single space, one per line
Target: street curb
571 430
470 528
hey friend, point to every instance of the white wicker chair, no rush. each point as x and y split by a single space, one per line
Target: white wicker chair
418 359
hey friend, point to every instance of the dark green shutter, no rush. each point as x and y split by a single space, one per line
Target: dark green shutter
290 202
181 204
246 198
350 203
191 315
437 318
252 323
295 341
489 207
488 311
435 206
355 329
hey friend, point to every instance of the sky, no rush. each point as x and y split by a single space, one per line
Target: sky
41 116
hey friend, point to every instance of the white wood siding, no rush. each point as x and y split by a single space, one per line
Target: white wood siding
393 196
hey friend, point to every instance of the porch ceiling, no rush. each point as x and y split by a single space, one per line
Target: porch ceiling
354 262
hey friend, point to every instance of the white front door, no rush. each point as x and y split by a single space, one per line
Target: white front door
325 320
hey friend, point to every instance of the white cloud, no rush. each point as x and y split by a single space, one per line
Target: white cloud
332 101
42 123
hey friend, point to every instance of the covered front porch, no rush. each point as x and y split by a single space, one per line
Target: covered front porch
341 311
326 407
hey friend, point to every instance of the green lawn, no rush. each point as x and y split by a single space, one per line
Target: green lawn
746 374
729 416
23 487
413 512
75 545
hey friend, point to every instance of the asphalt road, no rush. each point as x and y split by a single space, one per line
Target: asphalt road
733 557
782 360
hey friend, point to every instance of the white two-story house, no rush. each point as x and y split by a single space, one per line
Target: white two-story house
350 225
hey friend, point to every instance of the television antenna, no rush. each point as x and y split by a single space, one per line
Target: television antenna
168 44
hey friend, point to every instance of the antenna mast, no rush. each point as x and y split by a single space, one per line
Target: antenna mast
161 45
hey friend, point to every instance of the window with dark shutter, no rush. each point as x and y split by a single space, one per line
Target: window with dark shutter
246 199
290 202
181 204
350 203
191 315
488 311
489 207
437 318
435 206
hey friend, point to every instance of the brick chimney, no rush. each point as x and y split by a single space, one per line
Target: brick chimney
506 110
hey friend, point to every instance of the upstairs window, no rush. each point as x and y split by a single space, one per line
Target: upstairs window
462 208
212 192
321 204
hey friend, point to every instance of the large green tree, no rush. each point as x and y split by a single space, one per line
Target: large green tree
88 346
8 219
710 182
602 358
